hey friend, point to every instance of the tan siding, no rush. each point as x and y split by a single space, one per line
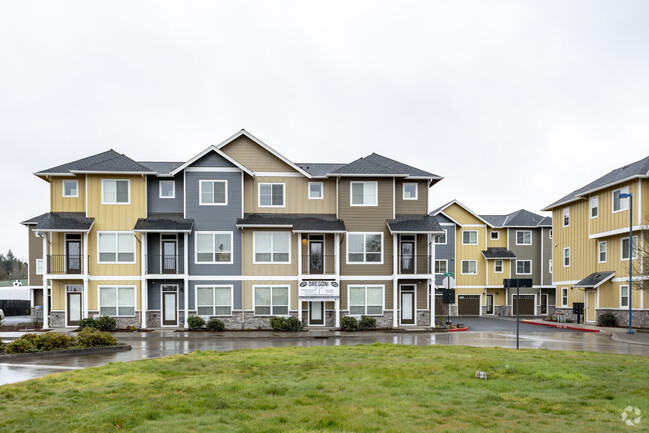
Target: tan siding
502 238
297 198
344 292
254 157
93 292
470 252
582 255
422 295
496 279
267 269
67 204
248 295
35 244
412 207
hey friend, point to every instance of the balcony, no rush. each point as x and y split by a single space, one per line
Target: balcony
160 264
318 264
62 264
414 264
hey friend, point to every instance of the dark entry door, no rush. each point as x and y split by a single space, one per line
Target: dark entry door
408 257
73 257
544 304
316 258
169 262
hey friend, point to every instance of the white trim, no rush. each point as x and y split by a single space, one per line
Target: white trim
524 231
63 181
626 250
271 194
376 194
475 225
382 286
466 209
565 212
594 199
477 239
567 297
271 286
416 197
272 242
213 170
277 174
491 238
212 181
616 232
128 202
213 286
414 310
42 272
173 190
136 277
513 294
563 257
366 278
468 273
524 273
205 152
599 252
117 261
321 190
117 287
162 304
445 238
620 295
364 262
66 313
457 223
566 283
196 262
435 266
623 190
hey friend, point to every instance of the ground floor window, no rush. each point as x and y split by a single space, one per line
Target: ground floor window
271 300
116 301
214 300
564 296
366 300
624 296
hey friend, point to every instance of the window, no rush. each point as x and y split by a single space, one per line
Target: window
566 216
523 237
523 267
116 247
272 247
594 207
550 265
70 188
550 234
117 301
115 191
494 236
167 189
498 266
214 192
566 257
364 248
441 266
271 194
441 239
410 191
620 204
214 301
364 193
470 237
564 297
213 247
366 301
601 247
624 296
625 248
469 267
271 301
315 191
39 266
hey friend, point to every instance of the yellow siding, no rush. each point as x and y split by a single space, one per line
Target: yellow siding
582 256
502 238
606 219
254 157
297 196
59 203
461 215
499 296
93 292
496 279
470 252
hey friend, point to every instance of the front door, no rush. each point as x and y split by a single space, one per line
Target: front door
407 305
407 257
169 255
590 306
490 304
73 256
316 313
316 258
544 304
73 294
169 306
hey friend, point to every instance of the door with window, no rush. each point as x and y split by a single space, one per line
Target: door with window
408 305
170 305
316 256
316 313
73 254
544 304
169 254
490 304
74 302
407 254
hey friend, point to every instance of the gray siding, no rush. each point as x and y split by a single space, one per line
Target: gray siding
154 253
446 252
154 293
547 256
527 252
236 289
165 205
212 159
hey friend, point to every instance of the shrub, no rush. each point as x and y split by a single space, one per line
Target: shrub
215 325
90 337
278 323
349 323
106 323
131 328
54 341
25 343
607 319
366 323
195 323
293 324
90 322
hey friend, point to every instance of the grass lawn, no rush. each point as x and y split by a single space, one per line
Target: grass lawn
349 388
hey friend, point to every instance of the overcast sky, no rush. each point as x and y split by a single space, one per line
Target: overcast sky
515 103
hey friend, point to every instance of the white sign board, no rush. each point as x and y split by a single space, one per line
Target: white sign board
448 283
318 289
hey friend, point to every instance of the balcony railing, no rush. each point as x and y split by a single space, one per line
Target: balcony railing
65 264
318 265
164 264
414 264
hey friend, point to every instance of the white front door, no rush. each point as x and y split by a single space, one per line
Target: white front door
74 308
169 305
316 313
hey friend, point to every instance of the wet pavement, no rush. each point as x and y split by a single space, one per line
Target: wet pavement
484 333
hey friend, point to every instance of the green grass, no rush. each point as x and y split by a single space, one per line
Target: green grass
373 388
10 283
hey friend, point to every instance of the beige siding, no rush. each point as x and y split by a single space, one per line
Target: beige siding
248 293
461 215
470 252
93 292
496 279
387 292
250 268
297 196
59 203
254 157
35 244
412 207
582 255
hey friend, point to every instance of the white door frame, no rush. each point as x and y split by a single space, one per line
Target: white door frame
162 313
67 325
324 317
414 309
493 301
547 302
587 306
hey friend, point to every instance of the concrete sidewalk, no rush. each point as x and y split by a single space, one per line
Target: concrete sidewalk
617 334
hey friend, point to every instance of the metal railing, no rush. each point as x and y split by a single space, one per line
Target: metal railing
164 264
414 264
318 265
64 264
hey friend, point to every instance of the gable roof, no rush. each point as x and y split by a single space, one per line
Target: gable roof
161 169
61 221
452 202
216 150
638 169
317 169
414 224
105 162
378 165
519 218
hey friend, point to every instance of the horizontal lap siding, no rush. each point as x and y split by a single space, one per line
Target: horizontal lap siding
297 196
412 207
254 157
250 268
35 252
344 292
248 292
164 205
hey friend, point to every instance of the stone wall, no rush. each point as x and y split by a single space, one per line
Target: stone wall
640 319
57 319
423 318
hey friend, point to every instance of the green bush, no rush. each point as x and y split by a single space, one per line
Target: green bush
195 323
278 323
131 328
607 319
20 345
293 324
106 323
215 325
90 337
54 341
366 323
349 323
90 322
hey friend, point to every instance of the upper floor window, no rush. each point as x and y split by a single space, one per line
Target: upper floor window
624 296
167 189
625 248
601 247
470 237
70 188
494 235
566 216
116 247
441 239
566 257
441 266
550 265
315 191
410 191
214 192
498 266
523 267
364 247
620 204
550 234
594 207
523 237
272 194
364 193
213 247
272 247
115 191
39 266
469 266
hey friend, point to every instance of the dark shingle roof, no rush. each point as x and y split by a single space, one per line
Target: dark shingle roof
520 218
109 161
161 168
164 222
595 279
34 220
546 222
298 222
414 224
59 221
376 164
638 168
494 220
498 253
318 169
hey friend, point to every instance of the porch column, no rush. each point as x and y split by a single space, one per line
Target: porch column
85 258
299 275
337 259
395 289
46 306
144 283
186 274
431 281
337 307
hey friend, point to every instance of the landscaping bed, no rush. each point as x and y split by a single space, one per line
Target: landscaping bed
48 342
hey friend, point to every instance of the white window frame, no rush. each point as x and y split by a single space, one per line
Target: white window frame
364 262
272 306
593 204
117 287
445 266
321 191
470 231
272 244
212 181
416 191
564 296
523 262
214 306
564 257
599 252
39 264
622 305
475 262
366 286
502 266
196 234
103 182
117 261
376 195
76 182
173 189
566 213
550 265
259 185
523 233
550 234
624 251
445 238
623 190
492 233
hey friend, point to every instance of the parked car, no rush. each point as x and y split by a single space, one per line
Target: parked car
2 314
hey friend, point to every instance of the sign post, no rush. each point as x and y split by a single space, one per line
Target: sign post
449 294
519 282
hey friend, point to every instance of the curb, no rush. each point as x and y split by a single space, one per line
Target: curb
458 329
55 353
614 337
574 328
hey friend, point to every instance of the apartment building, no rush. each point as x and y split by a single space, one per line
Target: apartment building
482 251
237 232
591 245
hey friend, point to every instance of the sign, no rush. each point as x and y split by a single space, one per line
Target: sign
317 290
511 283
448 296
577 308
449 274
448 282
